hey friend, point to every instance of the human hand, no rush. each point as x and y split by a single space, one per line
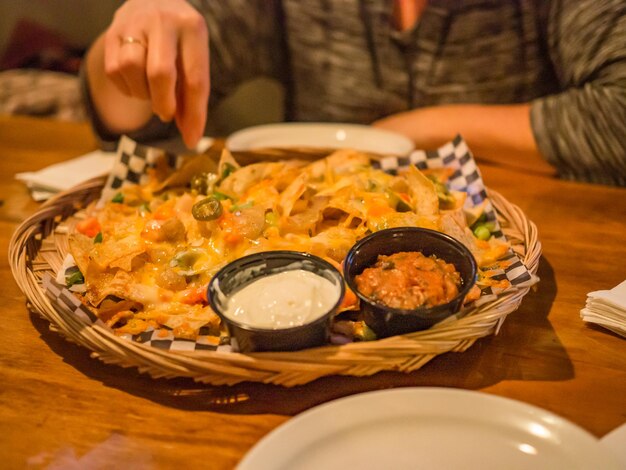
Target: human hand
157 50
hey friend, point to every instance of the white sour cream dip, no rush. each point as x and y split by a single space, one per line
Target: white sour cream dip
284 300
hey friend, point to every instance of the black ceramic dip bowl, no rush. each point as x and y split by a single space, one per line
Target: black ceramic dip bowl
389 321
277 300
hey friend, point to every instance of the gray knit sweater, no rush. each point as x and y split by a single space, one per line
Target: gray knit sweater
342 61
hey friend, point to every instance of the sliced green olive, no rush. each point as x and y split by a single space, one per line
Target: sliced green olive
185 259
199 182
446 199
185 262
365 333
372 185
399 204
208 208
403 206
144 209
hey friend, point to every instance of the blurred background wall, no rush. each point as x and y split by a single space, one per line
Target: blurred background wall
42 46
79 21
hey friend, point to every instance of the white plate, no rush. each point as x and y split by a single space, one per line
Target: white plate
616 442
432 428
323 135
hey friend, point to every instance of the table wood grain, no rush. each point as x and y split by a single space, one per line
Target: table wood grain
60 406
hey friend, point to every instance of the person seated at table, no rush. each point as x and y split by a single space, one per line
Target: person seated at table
538 85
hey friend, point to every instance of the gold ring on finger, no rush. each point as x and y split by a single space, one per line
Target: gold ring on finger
132 40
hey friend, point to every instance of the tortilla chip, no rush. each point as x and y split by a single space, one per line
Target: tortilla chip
238 182
113 253
192 166
422 192
80 246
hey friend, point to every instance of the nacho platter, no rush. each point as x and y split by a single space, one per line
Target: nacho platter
40 249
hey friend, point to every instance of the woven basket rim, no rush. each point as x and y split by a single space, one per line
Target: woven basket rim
34 242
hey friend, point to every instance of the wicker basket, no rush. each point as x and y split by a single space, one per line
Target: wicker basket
36 248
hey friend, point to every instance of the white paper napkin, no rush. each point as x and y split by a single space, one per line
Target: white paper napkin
65 175
607 308
61 176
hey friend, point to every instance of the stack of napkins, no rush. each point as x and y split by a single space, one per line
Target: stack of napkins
65 175
607 308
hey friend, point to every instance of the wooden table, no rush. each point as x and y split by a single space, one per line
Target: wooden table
59 405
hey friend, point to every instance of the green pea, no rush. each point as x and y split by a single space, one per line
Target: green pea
271 218
185 259
482 233
491 226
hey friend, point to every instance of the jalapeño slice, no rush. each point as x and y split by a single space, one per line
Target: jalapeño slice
208 208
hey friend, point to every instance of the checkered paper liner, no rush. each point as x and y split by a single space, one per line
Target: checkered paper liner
466 177
66 301
135 161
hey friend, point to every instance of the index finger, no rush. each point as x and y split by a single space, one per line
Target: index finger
194 81
161 70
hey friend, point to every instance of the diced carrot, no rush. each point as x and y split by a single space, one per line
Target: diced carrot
165 295
89 227
163 333
473 294
227 223
337 265
151 231
232 237
165 210
378 210
349 300
194 295
405 197
225 220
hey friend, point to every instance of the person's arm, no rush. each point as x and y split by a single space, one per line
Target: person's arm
579 133
165 72
498 133
582 130
117 111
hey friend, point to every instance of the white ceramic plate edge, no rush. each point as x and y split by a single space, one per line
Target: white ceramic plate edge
319 134
615 441
473 410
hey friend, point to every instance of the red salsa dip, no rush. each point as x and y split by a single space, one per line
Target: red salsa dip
409 280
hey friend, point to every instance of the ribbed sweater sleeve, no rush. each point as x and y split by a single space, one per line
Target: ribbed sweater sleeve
582 130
